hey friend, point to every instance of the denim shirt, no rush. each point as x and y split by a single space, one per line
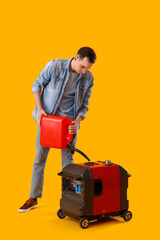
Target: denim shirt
53 79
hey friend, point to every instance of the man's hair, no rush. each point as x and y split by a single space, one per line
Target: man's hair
87 52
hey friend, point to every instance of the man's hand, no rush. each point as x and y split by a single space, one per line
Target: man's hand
40 113
73 127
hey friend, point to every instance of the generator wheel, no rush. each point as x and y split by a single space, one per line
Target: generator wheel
84 222
61 214
127 215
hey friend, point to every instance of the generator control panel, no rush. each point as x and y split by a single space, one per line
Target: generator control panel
71 185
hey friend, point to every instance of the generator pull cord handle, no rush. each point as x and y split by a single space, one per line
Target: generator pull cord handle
77 150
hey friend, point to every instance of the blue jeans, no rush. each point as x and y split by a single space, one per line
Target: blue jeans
40 161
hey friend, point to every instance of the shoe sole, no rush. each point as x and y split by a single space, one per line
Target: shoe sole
28 209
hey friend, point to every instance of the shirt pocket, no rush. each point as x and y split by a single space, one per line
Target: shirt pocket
82 91
56 82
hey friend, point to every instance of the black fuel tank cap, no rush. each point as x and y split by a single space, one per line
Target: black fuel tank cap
90 163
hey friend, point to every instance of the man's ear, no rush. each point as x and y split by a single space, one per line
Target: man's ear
76 57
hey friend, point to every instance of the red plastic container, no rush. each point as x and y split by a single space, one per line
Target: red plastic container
54 131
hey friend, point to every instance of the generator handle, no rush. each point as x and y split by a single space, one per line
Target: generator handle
74 178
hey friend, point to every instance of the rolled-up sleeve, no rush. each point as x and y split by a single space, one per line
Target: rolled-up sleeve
44 77
84 109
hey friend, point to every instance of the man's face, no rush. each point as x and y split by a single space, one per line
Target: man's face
81 65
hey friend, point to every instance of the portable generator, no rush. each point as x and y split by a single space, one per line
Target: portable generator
94 190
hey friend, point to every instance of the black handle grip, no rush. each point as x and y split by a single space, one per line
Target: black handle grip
70 177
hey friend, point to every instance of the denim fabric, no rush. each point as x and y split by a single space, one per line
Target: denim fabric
40 161
53 79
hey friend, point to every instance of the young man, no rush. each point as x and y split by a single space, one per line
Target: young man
67 86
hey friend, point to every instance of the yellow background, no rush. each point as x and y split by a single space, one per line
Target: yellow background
123 119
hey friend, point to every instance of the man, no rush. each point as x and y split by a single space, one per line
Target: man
67 86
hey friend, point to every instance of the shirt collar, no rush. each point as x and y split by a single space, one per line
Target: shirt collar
66 66
67 63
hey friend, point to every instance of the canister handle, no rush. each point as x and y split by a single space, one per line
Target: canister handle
40 121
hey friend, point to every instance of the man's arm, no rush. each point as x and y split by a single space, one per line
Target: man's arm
84 109
37 97
72 128
43 79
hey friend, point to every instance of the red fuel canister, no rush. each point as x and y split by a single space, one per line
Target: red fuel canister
54 131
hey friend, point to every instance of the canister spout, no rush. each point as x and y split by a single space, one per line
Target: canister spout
77 150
